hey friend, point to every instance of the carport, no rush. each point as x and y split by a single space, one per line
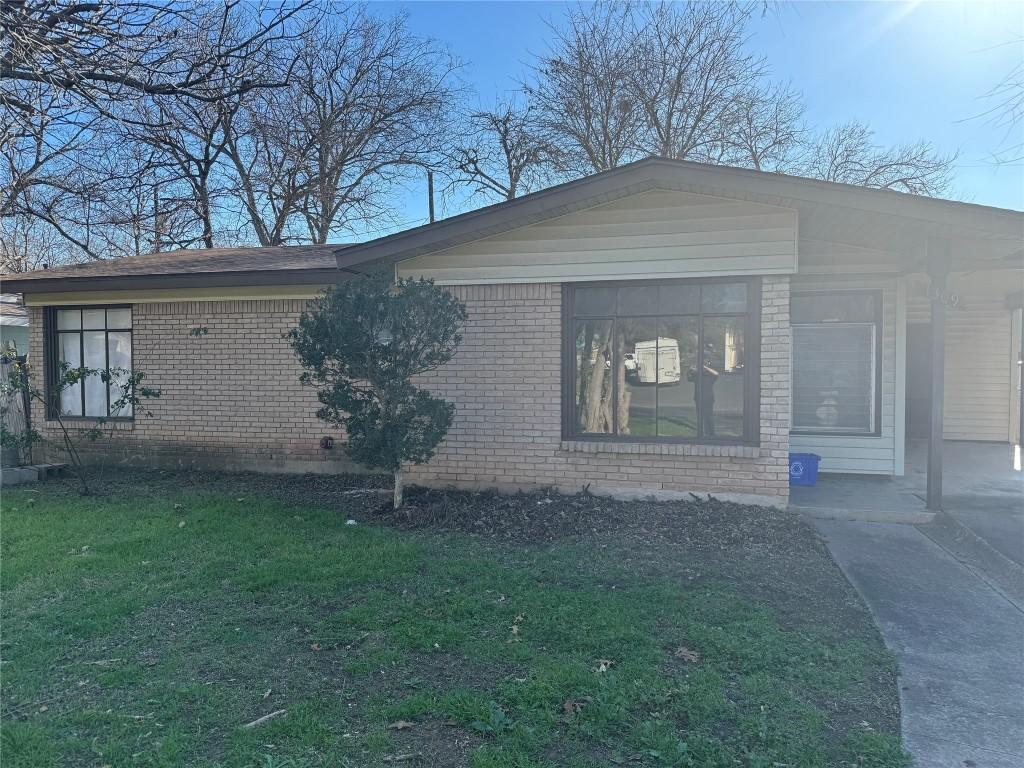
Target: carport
978 477
949 279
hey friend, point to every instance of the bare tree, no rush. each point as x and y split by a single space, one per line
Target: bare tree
688 74
765 130
191 136
624 81
66 175
26 244
46 151
581 89
505 154
370 100
271 160
1005 110
106 52
848 154
81 84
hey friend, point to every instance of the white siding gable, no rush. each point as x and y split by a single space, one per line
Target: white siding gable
655 234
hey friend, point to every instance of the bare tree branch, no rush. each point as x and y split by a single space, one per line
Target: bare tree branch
849 154
581 89
104 52
371 101
504 153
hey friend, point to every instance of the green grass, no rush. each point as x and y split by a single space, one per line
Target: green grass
145 631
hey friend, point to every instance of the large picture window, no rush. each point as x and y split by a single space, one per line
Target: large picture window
667 361
836 362
98 338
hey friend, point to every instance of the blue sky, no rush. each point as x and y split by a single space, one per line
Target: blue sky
910 70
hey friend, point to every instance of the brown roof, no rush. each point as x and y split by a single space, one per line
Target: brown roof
195 261
286 264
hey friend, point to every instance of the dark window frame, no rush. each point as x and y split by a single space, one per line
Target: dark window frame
876 430
51 358
752 366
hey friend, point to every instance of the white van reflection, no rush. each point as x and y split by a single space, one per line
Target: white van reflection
653 362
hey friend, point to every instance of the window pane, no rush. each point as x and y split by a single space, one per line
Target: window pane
71 353
833 308
594 376
638 300
93 318
119 346
119 318
833 377
594 301
638 371
679 299
721 395
94 345
724 297
69 319
677 393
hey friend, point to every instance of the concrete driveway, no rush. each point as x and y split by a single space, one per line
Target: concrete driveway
948 595
947 592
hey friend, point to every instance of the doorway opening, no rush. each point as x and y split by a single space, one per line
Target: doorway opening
919 380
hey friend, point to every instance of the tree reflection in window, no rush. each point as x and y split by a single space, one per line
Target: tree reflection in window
661 360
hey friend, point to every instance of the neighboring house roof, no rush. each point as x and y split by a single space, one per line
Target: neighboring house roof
875 218
12 311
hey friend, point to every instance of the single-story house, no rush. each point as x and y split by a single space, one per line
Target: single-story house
665 327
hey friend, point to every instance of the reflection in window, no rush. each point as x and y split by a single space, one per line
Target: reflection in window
722 381
638 368
661 360
594 376
677 396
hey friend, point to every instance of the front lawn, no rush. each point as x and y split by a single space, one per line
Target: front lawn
147 626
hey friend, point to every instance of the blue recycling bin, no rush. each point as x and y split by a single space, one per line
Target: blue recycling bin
803 468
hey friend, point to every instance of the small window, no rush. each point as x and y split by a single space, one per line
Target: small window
666 361
98 338
836 362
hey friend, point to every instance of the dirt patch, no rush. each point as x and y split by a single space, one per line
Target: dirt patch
433 743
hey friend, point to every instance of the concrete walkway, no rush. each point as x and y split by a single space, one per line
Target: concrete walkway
973 474
957 637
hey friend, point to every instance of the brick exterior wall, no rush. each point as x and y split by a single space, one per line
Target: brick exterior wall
505 381
231 398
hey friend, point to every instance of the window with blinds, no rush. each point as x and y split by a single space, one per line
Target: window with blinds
835 363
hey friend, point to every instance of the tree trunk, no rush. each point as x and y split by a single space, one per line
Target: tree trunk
398 488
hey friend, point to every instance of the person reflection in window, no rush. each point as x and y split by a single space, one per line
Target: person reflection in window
704 394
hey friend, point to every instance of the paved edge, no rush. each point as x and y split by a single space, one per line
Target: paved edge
970 550
906 517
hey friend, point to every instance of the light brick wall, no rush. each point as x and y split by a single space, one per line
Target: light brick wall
232 398
505 381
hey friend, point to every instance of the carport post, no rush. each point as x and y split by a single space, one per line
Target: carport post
938 271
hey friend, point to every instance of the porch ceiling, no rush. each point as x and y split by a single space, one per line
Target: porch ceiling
832 236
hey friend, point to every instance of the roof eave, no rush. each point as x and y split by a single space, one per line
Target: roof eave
182 280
